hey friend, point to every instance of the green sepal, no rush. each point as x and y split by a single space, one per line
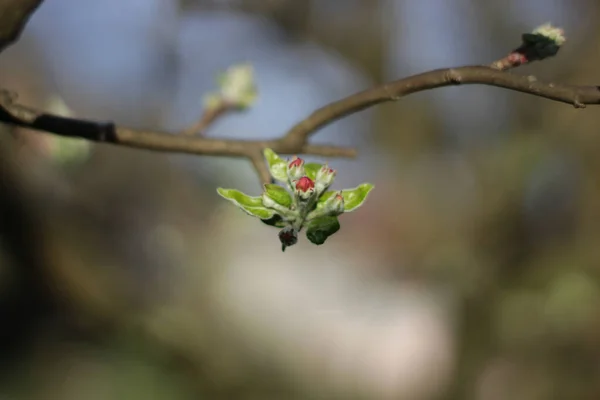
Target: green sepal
276 221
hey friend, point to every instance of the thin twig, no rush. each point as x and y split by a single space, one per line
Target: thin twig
208 118
470 75
261 167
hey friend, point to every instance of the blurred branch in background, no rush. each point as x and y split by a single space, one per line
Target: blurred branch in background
14 15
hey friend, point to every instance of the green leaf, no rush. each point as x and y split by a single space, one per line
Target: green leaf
251 205
240 198
278 194
311 169
276 221
353 198
277 165
319 229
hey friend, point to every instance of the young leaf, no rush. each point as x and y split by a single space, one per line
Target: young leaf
311 170
277 165
353 198
319 229
278 194
240 198
251 205
276 221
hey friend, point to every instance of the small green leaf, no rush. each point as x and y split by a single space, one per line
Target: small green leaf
319 229
311 170
278 194
276 221
353 198
251 205
259 212
277 166
240 198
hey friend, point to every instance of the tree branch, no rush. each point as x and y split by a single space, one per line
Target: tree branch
14 15
23 116
209 117
578 96
296 139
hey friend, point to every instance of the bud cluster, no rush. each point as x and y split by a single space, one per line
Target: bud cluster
301 202
307 184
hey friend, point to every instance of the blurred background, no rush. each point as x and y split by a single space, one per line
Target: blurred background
472 271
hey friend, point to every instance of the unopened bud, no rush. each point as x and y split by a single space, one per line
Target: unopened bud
543 42
288 236
238 87
332 207
295 168
324 178
305 187
335 204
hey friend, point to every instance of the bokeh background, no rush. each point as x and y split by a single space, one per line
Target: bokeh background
472 271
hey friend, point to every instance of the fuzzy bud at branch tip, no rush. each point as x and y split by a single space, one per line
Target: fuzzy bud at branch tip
237 88
543 42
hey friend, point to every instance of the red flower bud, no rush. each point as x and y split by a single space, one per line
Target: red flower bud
304 184
295 168
305 187
296 162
